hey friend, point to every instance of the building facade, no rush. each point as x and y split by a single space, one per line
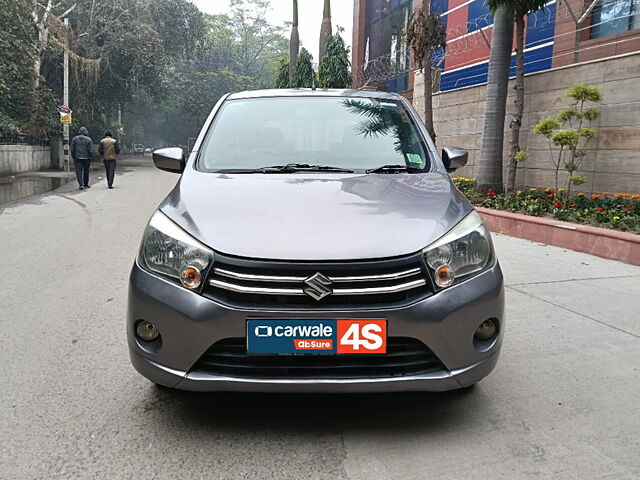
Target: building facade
569 42
563 33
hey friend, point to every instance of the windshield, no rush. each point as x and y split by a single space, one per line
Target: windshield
358 134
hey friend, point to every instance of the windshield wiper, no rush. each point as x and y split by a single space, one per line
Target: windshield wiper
302 167
239 170
289 168
392 169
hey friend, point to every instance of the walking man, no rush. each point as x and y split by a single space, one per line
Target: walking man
82 153
109 149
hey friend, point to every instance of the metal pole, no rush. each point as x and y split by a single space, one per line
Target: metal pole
66 98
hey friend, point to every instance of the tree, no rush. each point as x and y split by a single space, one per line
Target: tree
43 17
294 44
425 34
238 51
116 49
304 76
381 120
489 175
282 80
333 71
162 62
17 53
571 141
326 30
40 97
519 9
258 44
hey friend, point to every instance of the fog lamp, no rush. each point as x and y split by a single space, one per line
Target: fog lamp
486 330
191 277
444 276
147 331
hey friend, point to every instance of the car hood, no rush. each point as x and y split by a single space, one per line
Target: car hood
316 216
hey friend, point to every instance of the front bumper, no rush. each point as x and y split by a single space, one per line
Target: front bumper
190 323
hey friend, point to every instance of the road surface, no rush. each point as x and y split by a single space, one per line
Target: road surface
562 403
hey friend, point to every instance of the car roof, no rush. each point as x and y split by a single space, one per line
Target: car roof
308 92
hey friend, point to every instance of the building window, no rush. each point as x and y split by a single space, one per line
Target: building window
399 83
387 51
611 17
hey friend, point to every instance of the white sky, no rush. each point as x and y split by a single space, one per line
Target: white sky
309 16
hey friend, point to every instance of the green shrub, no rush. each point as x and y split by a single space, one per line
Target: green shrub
620 211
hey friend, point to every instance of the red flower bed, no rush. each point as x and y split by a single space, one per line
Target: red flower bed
618 211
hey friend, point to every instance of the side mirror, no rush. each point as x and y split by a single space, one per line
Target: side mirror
169 159
454 158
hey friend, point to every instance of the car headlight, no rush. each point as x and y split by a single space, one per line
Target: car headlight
170 251
462 252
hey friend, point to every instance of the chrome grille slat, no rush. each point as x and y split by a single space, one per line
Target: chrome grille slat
257 278
336 291
257 290
290 279
380 290
282 284
378 278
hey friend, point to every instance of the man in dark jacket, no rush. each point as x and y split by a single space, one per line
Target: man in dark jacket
109 149
82 153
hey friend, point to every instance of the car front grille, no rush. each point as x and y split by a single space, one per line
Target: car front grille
289 285
404 357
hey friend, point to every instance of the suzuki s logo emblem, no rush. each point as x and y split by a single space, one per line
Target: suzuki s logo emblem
318 286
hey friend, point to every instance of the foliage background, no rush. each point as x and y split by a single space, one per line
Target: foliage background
163 63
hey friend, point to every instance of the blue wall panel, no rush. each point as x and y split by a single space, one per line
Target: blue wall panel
541 26
535 61
464 77
479 16
439 6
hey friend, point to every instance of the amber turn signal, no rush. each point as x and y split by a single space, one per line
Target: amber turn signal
191 277
444 276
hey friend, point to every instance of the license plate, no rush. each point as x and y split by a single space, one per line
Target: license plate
318 337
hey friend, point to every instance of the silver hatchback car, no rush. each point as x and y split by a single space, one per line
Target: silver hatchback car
315 243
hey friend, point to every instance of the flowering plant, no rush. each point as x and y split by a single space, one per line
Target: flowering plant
620 211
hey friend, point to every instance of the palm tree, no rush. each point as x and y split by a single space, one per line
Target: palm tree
489 175
519 9
294 43
381 120
325 30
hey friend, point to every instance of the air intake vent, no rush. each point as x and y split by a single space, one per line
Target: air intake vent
404 357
